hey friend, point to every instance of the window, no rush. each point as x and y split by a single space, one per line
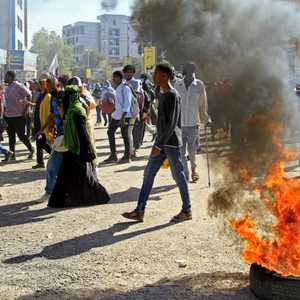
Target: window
114 42
114 51
114 32
76 39
79 49
20 3
114 22
20 24
20 45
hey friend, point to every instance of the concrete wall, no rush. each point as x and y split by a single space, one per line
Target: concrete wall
82 35
117 37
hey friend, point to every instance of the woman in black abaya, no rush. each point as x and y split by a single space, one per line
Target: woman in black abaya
77 183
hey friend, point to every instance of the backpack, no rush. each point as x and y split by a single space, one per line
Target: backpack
108 104
135 107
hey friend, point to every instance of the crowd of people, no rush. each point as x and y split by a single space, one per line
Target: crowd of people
57 114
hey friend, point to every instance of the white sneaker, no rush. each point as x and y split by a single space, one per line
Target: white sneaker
43 198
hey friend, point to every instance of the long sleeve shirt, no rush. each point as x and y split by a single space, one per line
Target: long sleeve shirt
15 94
193 103
169 120
123 102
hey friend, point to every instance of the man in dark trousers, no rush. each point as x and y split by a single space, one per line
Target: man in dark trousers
120 119
167 146
16 101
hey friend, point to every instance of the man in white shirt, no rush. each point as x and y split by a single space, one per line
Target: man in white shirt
194 112
120 118
136 128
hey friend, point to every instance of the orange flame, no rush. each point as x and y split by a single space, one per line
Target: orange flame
282 254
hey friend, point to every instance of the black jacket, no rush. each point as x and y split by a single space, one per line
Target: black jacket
169 120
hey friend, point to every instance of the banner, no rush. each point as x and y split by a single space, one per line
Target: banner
149 58
88 73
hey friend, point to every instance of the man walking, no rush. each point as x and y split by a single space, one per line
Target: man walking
194 111
120 118
167 146
136 126
16 96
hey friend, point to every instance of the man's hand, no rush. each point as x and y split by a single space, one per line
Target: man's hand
155 152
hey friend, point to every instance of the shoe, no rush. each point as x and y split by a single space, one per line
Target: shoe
30 156
43 198
8 157
124 160
182 217
111 159
134 215
133 157
38 166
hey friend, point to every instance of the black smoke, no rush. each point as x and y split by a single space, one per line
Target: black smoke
245 43
108 4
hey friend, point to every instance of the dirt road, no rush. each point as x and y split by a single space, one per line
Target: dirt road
92 253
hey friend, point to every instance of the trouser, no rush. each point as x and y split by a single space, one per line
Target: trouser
53 168
107 118
190 140
138 133
153 166
113 126
16 125
3 150
28 126
41 144
132 147
98 110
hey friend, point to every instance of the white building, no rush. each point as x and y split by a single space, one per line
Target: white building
117 37
82 35
13 24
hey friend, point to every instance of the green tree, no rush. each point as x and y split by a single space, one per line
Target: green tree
92 58
48 44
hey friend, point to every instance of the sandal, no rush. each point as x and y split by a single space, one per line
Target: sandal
195 177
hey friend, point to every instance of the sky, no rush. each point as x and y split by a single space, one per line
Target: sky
54 14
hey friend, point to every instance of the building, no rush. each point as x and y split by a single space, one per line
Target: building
82 35
3 61
13 25
117 37
14 40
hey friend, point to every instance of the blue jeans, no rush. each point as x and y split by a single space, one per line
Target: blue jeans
53 168
154 164
3 150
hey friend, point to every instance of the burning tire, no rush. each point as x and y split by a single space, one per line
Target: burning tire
268 285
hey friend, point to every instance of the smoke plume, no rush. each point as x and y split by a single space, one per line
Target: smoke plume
244 44
108 4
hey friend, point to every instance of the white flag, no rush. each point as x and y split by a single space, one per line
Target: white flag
53 68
